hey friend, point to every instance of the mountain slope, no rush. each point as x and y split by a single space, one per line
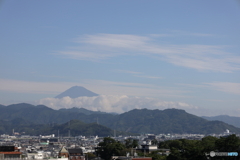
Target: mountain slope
82 110
225 118
77 91
76 128
24 110
167 121
43 115
135 121
79 128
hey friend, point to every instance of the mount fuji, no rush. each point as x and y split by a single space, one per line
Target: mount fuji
75 92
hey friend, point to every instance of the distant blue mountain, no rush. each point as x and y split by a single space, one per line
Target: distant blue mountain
77 91
225 118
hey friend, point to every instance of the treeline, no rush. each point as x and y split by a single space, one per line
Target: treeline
200 149
110 147
181 149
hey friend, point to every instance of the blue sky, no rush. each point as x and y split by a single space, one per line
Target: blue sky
176 52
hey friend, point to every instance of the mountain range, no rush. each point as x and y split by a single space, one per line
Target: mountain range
78 91
135 121
41 119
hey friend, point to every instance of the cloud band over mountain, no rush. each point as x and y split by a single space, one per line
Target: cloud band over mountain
113 103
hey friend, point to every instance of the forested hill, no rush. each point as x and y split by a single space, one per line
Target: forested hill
136 121
41 114
167 121
73 127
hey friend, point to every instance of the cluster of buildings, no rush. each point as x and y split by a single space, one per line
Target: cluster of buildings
80 147
46 147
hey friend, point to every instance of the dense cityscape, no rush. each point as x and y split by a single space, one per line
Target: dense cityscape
144 147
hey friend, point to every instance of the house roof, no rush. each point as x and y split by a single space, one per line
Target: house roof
63 150
75 150
10 152
7 148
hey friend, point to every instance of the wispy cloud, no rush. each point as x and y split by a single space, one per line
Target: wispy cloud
139 74
134 89
97 86
196 56
185 33
149 77
115 40
130 72
178 33
227 87
33 87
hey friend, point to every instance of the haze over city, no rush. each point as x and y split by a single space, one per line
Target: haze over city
133 54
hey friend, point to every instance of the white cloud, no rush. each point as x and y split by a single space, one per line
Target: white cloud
123 103
115 40
196 56
113 103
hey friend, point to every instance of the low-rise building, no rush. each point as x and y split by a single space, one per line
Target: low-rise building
10 152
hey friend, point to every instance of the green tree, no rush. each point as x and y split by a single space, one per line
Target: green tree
230 143
131 143
154 142
156 156
175 144
208 144
171 144
184 149
89 156
109 147
175 155
193 150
